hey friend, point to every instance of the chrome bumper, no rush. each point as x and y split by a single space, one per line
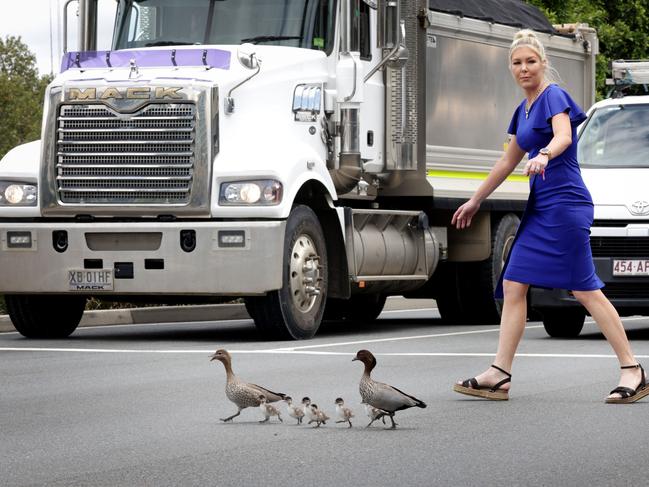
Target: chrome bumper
216 266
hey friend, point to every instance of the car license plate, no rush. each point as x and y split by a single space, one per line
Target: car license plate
631 267
90 279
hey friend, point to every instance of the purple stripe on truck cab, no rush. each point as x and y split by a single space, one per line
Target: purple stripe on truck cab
146 58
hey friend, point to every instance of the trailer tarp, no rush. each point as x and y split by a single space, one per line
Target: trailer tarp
508 12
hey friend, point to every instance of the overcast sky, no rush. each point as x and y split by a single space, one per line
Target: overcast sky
30 19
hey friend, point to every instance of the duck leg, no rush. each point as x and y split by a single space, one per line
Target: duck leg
280 418
350 423
370 423
229 418
379 416
394 425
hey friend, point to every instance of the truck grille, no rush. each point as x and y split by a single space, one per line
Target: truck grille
620 246
108 158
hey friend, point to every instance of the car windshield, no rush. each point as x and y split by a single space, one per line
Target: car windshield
616 136
298 23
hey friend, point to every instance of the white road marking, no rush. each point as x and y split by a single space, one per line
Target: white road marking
394 339
311 352
406 310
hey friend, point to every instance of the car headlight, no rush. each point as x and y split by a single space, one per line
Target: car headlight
261 192
18 194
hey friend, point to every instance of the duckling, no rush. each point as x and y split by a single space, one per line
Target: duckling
295 412
242 394
382 396
268 410
374 413
308 412
344 413
320 416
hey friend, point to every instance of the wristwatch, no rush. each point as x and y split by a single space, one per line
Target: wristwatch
546 152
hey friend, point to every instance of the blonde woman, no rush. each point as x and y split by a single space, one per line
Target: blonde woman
552 246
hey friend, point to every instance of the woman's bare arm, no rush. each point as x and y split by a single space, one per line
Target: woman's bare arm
503 168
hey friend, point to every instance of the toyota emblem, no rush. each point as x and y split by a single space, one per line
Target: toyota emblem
640 207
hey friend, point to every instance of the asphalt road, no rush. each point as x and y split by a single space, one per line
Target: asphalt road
139 405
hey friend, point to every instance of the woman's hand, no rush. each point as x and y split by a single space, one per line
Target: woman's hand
536 165
464 214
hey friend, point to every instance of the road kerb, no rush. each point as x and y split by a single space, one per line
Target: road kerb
181 314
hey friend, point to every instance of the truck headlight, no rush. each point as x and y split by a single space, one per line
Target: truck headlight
17 194
262 192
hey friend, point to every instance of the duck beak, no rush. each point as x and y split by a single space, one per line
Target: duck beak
212 357
354 359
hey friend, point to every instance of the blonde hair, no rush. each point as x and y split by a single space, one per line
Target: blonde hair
527 38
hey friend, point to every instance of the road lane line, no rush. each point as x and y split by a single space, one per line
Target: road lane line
394 339
207 353
407 310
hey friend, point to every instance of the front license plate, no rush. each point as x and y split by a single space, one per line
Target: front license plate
90 279
631 267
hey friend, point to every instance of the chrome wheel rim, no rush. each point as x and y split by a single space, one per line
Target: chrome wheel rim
305 276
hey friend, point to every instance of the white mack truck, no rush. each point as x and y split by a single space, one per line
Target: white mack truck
306 155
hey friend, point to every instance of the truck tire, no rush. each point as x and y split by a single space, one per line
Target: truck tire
503 233
448 297
361 308
250 307
295 311
563 322
45 316
466 290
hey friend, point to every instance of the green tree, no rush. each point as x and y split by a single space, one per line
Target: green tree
622 28
21 94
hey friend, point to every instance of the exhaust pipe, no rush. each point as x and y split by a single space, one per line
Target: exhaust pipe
347 172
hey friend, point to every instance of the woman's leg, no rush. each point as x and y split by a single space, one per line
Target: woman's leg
608 320
512 325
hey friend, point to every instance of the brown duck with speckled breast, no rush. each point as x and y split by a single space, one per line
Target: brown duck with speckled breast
242 394
382 396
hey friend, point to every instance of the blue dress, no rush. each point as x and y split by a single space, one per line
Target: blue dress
552 245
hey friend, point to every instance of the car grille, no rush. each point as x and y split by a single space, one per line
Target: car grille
620 246
108 158
628 290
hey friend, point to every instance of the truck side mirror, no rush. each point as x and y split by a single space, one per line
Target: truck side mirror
247 56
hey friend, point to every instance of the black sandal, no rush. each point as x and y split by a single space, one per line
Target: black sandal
471 387
627 394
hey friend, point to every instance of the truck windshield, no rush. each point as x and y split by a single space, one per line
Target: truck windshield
298 23
616 136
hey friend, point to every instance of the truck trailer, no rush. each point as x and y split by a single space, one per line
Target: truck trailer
305 155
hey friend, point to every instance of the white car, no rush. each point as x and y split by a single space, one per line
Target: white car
614 158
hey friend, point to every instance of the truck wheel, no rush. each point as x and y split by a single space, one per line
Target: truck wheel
466 290
45 316
563 322
295 311
250 306
448 298
362 308
503 233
